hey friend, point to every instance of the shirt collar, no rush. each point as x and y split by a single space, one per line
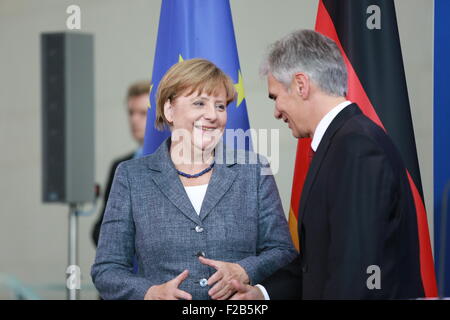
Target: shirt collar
325 122
139 152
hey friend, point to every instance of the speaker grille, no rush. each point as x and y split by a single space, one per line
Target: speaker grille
53 116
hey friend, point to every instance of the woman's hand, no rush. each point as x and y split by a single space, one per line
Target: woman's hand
226 271
169 290
246 292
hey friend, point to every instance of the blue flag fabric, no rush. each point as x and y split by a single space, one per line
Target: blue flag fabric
196 29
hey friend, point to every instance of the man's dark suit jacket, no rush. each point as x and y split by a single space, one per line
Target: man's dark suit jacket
96 229
356 210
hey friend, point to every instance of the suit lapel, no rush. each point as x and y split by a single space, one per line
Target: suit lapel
166 178
221 180
322 150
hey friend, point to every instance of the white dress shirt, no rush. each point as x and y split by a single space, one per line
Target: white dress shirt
325 123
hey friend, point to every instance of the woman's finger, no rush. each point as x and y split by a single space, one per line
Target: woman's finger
215 277
180 294
209 262
217 288
181 277
223 293
227 295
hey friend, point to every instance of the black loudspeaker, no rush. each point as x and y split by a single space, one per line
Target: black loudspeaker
68 162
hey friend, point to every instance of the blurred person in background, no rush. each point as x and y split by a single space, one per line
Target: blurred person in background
137 105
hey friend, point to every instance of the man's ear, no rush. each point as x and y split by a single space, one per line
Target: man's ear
168 111
301 84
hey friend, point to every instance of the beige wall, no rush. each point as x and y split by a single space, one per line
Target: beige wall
33 236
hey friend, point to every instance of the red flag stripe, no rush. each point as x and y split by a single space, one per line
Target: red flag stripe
300 171
301 168
426 255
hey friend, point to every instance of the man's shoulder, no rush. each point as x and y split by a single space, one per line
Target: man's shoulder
360 129
362 135
361 124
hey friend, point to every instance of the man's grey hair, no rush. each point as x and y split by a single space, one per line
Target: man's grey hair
309 52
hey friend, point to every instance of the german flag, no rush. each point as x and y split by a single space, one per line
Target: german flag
366 33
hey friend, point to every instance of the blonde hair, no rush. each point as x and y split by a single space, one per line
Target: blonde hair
187 77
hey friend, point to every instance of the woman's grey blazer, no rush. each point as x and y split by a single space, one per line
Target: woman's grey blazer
149 215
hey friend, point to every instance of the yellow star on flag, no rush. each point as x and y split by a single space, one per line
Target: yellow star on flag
240 89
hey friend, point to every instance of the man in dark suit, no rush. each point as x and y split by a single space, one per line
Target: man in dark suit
137 105
357 220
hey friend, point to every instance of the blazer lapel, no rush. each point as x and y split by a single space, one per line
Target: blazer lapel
166 178
334 126
221 180
223 176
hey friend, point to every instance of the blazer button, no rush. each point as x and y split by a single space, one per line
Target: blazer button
200 254
305 268
203 283
198 229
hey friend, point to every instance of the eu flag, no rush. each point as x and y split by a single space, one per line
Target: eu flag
196 29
